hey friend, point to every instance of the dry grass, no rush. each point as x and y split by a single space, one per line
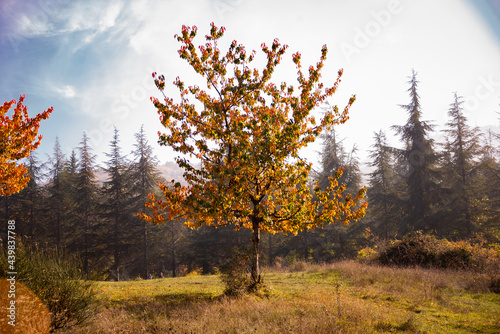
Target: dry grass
345 297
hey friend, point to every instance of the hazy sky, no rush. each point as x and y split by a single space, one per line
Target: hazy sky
92 60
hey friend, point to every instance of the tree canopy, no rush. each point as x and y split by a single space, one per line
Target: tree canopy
247 132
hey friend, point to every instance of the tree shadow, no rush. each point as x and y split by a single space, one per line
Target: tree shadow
150 306
186 298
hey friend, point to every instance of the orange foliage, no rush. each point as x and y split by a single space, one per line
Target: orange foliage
18 137
247 136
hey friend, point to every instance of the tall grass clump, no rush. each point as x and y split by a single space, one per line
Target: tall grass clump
55 278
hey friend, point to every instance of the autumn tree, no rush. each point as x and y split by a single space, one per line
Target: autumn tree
18 137
247 132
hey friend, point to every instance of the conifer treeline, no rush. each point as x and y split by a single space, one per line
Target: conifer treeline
64 206
450 189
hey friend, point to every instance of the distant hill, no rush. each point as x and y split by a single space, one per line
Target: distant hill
169 171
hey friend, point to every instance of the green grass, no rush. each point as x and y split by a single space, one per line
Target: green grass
371 299
168 291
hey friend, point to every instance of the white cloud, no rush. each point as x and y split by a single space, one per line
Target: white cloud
157 27
66 91
34 25
37 19
110 15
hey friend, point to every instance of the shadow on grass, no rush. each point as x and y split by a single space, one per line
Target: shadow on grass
163 303
185 298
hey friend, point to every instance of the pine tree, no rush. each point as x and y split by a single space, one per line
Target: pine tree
145 176
29 213
57 197
334 156
86 197
419 159
462 150
332 239
488 180
117 205
385 199
70 187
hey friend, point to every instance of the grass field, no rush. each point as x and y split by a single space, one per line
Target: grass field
346 297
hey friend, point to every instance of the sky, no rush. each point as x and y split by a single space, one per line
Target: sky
92 60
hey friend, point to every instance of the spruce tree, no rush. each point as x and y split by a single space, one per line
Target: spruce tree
57 197
29 202
488 180
419 159
144 175
87 198
331 241
70 187
385 199
462 150
334 156
117 205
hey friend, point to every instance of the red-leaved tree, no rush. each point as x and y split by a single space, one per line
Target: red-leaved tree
18 138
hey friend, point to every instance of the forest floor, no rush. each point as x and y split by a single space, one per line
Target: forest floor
344 297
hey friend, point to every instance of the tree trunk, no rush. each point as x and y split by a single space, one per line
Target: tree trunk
341 243
116 247
172 250
270 250
32 217
255 275
6 219
145 254
86 246
58 230
306 246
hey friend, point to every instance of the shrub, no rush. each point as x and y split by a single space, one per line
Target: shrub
367 254
456 258
414 250
55 278
235 274
423 250
495 284
195 272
